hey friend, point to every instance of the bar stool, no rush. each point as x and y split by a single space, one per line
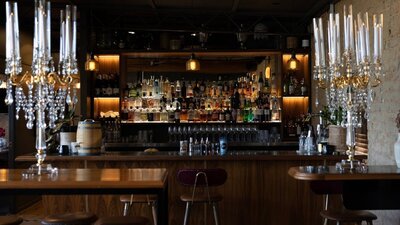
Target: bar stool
77 218
202 179
339 215
123 220
151 200
10 220
355 216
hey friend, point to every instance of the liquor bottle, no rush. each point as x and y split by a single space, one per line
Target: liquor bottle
109 89
221 116
260 85
177 110
286 85
144 88
156 88
196 90
219 87
150 87
303 87
167 88
172 90
190 114
178 90
202 88
98 84
291 85
104 85
226 89
228 116
189 90
183 90
116 86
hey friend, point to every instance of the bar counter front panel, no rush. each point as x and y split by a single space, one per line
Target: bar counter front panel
258 189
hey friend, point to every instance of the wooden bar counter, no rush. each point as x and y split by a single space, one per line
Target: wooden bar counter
258 189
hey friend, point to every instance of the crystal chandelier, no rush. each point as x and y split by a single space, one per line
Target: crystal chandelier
42 93
352 70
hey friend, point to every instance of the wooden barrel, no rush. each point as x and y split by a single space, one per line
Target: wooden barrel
89 137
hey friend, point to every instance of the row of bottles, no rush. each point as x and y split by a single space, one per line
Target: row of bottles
107 85
247 99
249 86
292 87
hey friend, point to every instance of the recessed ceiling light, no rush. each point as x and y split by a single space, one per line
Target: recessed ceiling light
131 32
193 34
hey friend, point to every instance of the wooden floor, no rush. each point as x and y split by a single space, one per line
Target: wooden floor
33 214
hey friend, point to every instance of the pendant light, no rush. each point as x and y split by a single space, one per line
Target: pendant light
293 63
92 64
192 64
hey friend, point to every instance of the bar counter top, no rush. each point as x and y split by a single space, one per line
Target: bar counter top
175 156
257 179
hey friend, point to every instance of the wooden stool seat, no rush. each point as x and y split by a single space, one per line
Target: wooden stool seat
349 215
10 220
123 220
77 218
214 197
138 198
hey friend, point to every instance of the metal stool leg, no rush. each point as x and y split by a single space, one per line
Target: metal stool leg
154 211
187 213
325 205
215 209
126 209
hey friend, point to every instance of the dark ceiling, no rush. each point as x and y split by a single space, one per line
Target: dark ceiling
103 19
278 16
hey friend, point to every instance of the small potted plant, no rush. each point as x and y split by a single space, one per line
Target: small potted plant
337 133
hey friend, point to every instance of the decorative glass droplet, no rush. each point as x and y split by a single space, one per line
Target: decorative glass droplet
9 99
29 125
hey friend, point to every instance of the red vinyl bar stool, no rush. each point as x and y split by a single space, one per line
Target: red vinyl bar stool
10 220
339 215
150 200
77 218
123 220
202 179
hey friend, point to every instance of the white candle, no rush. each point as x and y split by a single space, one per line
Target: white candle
351 28
42 36
62 28
316 42
380 36
346 43
321 39
360 34
367 47
73 50
67 31
375 38
331 39
48 29
338 38
16 32
36 32
9 23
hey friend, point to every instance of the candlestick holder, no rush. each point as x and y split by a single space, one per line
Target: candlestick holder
41 91
349 79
